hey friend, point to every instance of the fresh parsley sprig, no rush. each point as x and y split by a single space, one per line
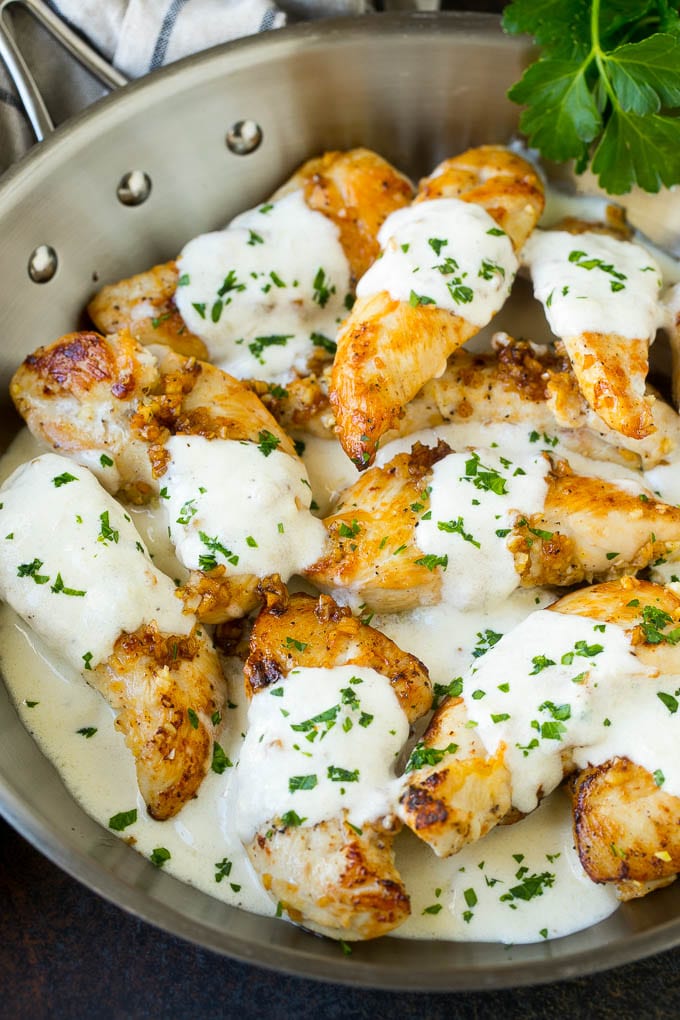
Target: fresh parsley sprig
606 88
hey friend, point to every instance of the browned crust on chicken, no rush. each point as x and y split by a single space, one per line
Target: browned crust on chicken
388 349
611 373
144 304
340 881
332 879
214 596
372 546
168 693
462 797
627 829
498 180
357 190
316 632
571 540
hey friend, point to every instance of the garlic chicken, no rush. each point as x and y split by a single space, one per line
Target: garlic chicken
447 265
160 424
332 700
263 297
470 527
587 690
601 296
75 569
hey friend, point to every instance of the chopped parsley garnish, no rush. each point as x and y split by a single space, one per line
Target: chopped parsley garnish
322 290
105 460
325 342
487 479
122 820
258 345
580 259
31 570
296 783
489 269
220 761
222 869
349 530
106 532
60 588
420 299
254 238
87 731
63 479
436 244
454 689
669 701
193 718
531 886
422 755
160 856
292 819
434 908
540 662
431 561
457 527
187 511
267 442
340 775
87 659
653 622
485 640
299 646
199 307
208 561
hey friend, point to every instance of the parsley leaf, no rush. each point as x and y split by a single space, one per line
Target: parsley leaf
606 87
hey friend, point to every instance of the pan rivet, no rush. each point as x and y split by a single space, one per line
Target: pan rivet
244 137
42 263
134 187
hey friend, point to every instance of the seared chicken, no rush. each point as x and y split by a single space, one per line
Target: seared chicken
74 568
372 549
168 693
356 190
330 876
611 369
388 348
625 825
116 404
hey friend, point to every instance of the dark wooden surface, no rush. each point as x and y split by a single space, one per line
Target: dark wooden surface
64 952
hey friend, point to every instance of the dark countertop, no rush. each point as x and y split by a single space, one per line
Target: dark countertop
64 952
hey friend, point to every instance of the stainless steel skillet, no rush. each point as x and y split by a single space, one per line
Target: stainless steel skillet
414 88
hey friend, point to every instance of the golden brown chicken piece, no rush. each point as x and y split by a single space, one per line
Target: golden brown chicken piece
454 792
611 370
589 528
330 876
387 349
110 396
357 190
86 393
168 694
144 305
626 827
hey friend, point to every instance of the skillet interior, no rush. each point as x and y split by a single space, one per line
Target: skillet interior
414 88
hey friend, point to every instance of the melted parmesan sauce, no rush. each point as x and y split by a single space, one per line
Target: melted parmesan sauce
267 291
521 883
444 252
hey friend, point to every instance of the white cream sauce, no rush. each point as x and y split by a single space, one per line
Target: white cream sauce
320 741
560 683
473 502
74 566
595 283
268 291
242 505
444 252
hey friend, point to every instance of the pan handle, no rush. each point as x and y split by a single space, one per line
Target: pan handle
19 72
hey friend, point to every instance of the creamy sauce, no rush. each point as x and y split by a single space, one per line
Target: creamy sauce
474 500
444 252
74 566
595 283
268 291
242 505
559 682
318 742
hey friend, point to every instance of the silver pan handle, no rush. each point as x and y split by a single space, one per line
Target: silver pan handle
20 73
